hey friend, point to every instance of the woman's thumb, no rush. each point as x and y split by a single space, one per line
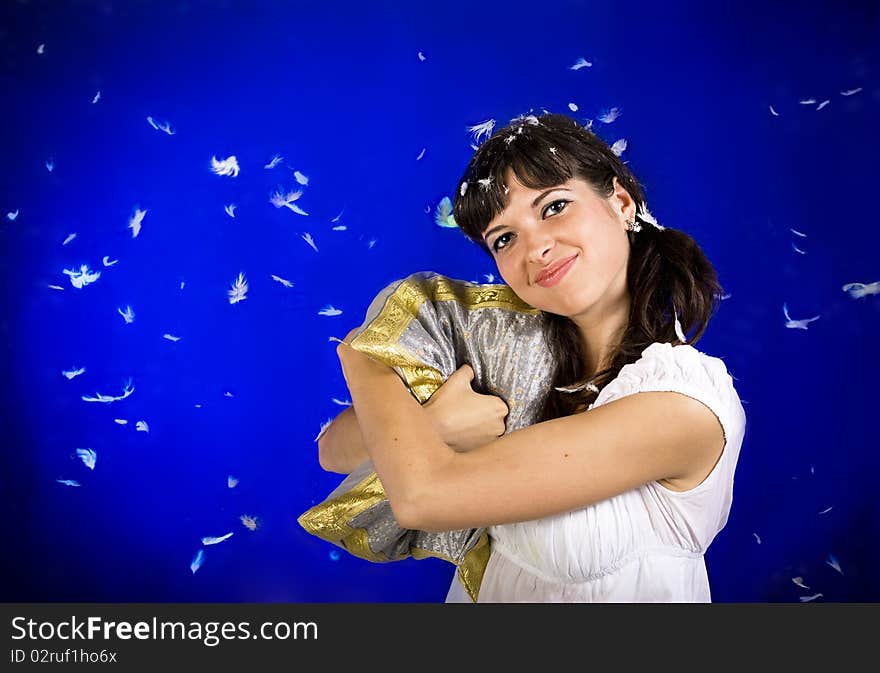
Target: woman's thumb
466 372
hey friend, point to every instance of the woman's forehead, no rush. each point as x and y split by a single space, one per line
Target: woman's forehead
514 187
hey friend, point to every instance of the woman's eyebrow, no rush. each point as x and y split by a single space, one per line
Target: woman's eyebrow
543 194
492 231
534 204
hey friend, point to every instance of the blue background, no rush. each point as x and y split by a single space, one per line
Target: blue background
339 91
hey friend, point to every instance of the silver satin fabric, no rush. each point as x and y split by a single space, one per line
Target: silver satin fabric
508 352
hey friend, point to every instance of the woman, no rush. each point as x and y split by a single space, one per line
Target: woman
617 493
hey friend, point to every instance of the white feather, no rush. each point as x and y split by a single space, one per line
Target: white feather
83 277
324 426
283 281
197 561
646 216
127 314
859 290
592 387
678 331
126 391
834 563
134 222
71 373
281 199
274 162
307 237
239 289
216 540
88 457
609 116
800 582
796 324
227 166
482 129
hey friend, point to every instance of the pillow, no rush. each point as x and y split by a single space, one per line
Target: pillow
425 327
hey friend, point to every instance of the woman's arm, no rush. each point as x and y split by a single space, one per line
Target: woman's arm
464 418
548 468
341 446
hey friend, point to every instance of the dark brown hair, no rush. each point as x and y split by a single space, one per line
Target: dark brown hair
666 267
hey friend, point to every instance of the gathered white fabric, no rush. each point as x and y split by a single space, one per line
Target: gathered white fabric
645 545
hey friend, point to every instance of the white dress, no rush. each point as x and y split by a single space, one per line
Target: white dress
645 545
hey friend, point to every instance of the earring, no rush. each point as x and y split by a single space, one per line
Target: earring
632 225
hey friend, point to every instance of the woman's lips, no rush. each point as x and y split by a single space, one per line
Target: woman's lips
558 275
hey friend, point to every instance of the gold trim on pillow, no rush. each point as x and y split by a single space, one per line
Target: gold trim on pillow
330 519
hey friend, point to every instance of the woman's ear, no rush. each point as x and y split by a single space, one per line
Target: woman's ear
622 203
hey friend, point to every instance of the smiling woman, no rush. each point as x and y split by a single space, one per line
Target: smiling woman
564 250
618 490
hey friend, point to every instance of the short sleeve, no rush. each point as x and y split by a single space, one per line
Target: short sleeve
663 367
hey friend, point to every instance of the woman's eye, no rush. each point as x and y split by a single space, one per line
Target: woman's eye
502 240
556 206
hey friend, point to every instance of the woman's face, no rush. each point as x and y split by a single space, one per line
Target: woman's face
563 249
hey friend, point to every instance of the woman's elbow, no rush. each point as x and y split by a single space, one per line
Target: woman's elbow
404 513
414 513
328 460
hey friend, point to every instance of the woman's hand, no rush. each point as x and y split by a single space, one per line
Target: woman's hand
465 418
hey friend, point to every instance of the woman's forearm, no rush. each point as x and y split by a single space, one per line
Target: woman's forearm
341 447
406 447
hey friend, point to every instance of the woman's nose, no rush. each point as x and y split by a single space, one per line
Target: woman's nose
539 246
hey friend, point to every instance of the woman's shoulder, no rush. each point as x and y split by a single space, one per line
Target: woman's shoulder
663 366
681 357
